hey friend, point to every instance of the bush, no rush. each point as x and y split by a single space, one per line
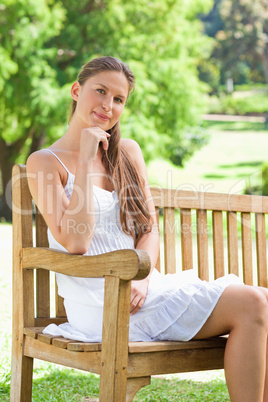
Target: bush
242 106
261 187
242 102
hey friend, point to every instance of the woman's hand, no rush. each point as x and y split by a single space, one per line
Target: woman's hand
139 291
90 141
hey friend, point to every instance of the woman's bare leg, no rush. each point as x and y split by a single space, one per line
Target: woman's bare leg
265 398
242 311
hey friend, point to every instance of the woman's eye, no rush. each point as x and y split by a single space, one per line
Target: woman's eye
101 91
118 100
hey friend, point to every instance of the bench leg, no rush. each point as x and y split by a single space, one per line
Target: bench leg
134 385
21 379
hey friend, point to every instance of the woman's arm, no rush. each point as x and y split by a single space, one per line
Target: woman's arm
149 241
70 222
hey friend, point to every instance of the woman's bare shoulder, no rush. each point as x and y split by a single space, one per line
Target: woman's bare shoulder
131 146
44 162
134 150
38 157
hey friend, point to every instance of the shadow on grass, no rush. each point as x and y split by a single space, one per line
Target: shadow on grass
242 164
235 126
215 176
66 385
218 176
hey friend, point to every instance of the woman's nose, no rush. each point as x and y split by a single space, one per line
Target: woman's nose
107 104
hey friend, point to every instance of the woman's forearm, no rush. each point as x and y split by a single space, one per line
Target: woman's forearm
78 220
150 243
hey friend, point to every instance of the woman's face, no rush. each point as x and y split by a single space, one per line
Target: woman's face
101 99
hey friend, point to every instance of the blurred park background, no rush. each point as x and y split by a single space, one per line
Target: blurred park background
199 111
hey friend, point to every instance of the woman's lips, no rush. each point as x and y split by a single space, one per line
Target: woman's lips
103 117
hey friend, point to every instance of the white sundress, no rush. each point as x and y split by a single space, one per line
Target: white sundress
176 306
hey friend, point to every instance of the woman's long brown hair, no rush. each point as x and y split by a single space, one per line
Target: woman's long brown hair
135 216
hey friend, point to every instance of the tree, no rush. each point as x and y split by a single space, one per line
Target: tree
162 42
244 37
29 91
212 21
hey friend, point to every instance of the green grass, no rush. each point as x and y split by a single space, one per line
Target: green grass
235 126
227 164
184 391
66 385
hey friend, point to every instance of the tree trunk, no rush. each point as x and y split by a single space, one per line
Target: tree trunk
8 156
6 164
265 63
38 141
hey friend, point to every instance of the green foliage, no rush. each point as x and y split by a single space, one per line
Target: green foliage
260 185
244 37
162 43
212 21
27 84
243 106
30 95
240 102
252 87
209 72
46 43
265 179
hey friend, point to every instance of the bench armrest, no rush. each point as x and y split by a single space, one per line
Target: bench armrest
126 264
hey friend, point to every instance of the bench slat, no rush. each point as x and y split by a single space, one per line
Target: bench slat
209 201
218 244
169 240
33 332
158 263
42 293
46 338
42 276
186 239
176 361
60 309
247 248
261 249
202 244
61 342
133 347
144 347
232 243
44 322
84 346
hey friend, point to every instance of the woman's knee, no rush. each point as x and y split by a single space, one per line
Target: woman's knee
255 309
243 307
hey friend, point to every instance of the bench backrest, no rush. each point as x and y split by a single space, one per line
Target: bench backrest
215 233
227 232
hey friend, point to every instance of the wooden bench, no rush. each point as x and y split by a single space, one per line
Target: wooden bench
198 219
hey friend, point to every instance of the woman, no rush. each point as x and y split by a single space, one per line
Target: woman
91 187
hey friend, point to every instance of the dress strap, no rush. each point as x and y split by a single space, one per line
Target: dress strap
59 160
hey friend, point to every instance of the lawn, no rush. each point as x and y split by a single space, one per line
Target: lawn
225 164
231 159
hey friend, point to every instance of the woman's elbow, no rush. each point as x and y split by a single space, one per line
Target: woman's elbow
74 244
76 250
77 246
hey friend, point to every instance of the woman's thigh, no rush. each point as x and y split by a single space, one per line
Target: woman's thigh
264 291
235 305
